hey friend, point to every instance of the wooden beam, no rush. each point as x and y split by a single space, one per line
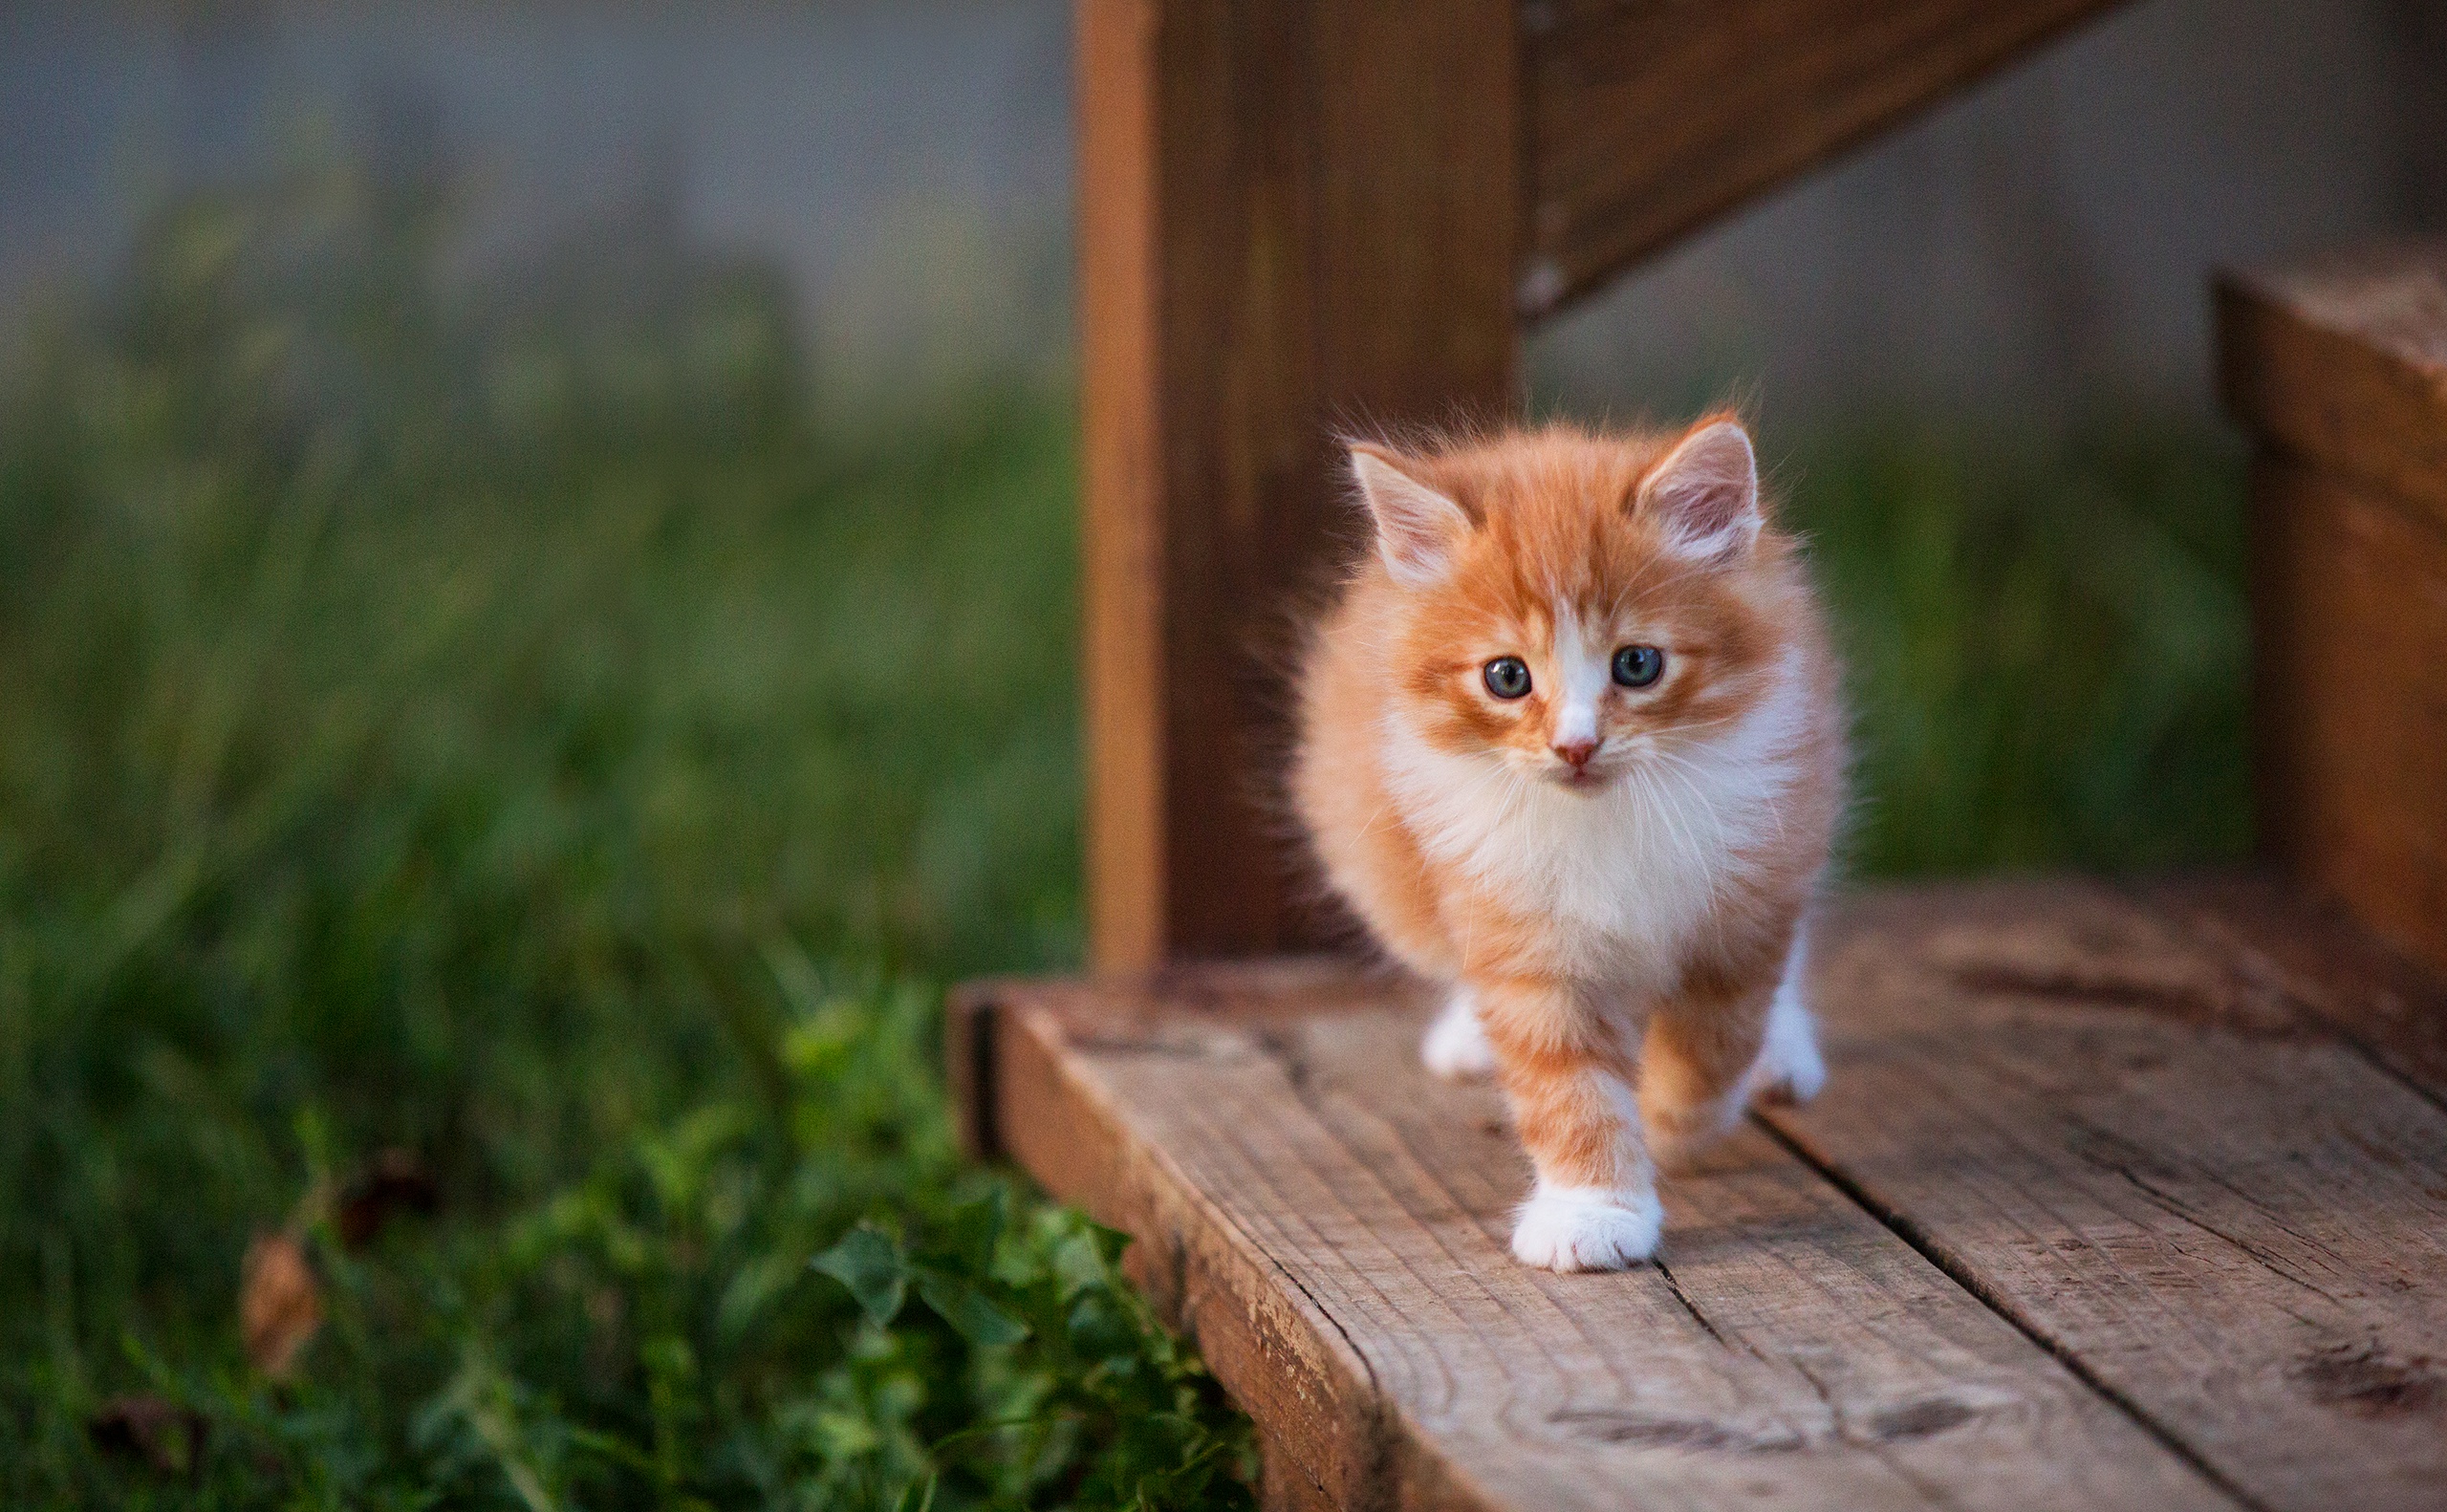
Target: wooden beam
1649 120
1295 215
2339 367
2341 362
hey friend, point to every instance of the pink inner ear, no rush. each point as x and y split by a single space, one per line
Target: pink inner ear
1708 487
1416 528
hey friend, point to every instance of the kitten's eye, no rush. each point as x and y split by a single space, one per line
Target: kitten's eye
1508 677
1638 666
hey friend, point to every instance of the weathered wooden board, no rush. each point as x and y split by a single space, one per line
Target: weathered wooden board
1646 120
1331 1223
1295 216
2277 936
2340 367
2154 1155
2342 362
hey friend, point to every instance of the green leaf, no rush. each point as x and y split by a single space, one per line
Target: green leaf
868 1262
965 1308
1079 1263
971 1230
1099 1330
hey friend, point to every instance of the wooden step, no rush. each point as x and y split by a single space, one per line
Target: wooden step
2115 1197
2338 365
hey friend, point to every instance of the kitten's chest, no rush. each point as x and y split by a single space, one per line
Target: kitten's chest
1622 886
1624 878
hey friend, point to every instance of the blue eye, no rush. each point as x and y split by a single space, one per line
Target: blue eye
1638 666
1508 677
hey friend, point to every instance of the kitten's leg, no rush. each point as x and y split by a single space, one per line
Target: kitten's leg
1698 1062
1568 1073
1789 1069
1455 1047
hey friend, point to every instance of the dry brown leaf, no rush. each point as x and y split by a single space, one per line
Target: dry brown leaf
280 1305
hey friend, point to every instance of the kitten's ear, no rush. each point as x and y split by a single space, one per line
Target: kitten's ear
1706 493
1417 528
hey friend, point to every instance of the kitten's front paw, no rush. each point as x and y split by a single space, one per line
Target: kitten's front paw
1586 1228
1455 1047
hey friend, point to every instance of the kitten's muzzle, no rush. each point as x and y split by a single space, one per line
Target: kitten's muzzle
1576 773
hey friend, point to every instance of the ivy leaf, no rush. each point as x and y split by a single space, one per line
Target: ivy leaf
965 1308
1079 1263
868 1262
1100 1331
968 1233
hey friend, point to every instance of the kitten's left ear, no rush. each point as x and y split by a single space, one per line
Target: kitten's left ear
1704 494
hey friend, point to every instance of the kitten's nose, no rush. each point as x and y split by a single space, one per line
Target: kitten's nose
1576 752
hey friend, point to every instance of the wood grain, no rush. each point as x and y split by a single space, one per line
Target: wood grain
2350 605
2310 950
1648 120
2154 1157
2341 364
1331 1225
1294 216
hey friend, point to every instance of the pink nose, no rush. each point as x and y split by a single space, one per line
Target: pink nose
1577 753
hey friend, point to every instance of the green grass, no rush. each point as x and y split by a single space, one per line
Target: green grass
2047 641
498 727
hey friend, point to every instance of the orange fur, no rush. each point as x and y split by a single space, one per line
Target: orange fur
1614 875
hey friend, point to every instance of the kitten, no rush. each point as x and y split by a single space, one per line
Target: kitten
1571 744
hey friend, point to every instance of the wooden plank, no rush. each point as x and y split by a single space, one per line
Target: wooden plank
2158 1160
2350 599
1647 121
1331 1225
1295 215
2309 949
2341 362
2339 365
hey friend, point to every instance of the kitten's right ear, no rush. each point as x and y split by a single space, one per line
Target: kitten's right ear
1417 528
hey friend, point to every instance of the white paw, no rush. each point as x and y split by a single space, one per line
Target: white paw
1455 1047
1586 1228
1789 1068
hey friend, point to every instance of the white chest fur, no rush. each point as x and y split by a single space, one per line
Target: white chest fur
1628 878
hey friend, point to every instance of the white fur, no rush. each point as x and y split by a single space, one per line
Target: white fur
1630 875
1587 1227
1790 1065
1585 673
1455 1047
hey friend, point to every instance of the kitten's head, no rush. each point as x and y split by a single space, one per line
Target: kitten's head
1572 604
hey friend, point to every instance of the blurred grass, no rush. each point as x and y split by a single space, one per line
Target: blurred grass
2048 642
496 724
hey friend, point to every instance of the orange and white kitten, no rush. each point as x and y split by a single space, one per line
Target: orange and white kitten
1571 746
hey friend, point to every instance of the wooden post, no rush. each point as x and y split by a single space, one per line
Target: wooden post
2340 370
1294 216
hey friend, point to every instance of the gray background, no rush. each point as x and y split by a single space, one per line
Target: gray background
2033 248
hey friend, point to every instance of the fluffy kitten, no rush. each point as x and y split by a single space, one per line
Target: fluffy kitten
1571 744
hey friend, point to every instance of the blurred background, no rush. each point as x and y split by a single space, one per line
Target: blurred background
537 632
